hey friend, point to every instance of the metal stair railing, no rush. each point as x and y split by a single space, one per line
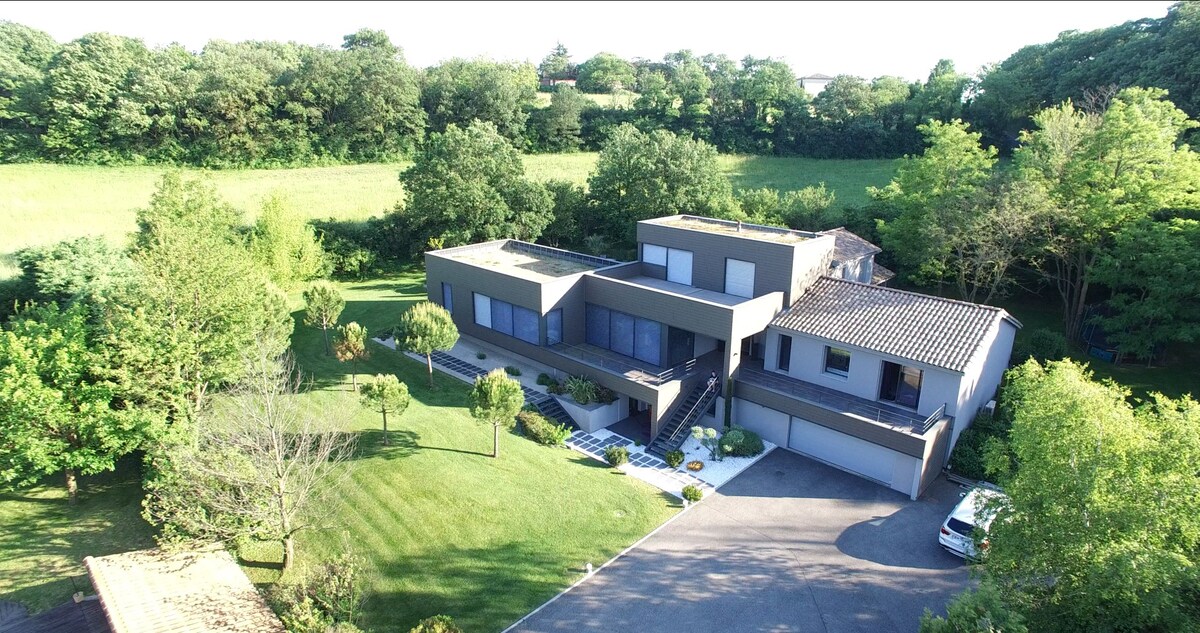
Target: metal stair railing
712 387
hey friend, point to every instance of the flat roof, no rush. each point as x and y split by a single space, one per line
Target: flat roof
736 229
528 261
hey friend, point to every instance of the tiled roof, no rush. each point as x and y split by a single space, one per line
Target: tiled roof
199 591
849 247
939 332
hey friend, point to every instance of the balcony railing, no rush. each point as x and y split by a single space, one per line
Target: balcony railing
611 361
841 402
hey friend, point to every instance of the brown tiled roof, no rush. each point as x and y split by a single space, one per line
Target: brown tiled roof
197 591
939 332
849 247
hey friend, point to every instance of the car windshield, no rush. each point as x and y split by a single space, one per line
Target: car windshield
960 527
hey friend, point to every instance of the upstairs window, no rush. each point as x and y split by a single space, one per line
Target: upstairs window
837 361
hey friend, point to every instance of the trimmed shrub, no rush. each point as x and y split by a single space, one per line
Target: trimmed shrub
436 624
604 395
692 493
556 389
616 455
546 380
537 428
674 458
581 388
512 371
480 355
741 442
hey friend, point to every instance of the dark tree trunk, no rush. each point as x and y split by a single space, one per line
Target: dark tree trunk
385 433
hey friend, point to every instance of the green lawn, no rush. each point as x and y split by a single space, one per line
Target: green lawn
42 204
1177 375
43 540
442 526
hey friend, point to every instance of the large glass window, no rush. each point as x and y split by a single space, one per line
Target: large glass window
785 353
447 297
625 334
597 326
502 316
901 385
648 341
621 340
525 325
837 361
506 318
554 332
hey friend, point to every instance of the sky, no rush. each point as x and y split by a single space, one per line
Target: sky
868 39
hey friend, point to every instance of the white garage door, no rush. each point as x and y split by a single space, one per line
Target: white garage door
739 278
841 450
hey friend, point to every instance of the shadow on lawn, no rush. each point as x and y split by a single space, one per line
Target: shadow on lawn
401 444
482 588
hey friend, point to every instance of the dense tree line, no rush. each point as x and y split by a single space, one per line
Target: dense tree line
1100 207
109 99
1089 67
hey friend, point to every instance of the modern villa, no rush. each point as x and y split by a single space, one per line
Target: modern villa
811 351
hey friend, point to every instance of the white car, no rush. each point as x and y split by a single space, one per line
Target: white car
958 531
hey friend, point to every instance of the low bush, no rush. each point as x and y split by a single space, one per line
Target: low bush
616 455
480 355
436 624
556 389
327 597
512 371
692 493
546 380
537 428
604 395
987 434
741 442
1041 344
695 465
674 458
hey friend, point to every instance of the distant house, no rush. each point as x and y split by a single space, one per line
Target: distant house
810 352
814 84
552 82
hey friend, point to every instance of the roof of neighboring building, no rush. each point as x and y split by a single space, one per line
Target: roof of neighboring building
931 330
881 275
85 616
816 76
849 247
195 591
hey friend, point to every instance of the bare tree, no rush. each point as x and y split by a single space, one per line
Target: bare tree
259 466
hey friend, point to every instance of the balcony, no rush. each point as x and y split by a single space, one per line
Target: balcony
633 369
846 404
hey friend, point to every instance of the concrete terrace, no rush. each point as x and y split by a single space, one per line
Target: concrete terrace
527 261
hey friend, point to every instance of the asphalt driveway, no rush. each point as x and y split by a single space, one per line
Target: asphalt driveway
789 545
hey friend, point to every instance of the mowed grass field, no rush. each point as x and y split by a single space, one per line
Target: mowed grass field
42 204
441 526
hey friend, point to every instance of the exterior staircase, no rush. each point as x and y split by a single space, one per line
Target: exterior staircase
552 410
676 431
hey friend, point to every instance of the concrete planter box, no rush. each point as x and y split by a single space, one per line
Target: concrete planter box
591 417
